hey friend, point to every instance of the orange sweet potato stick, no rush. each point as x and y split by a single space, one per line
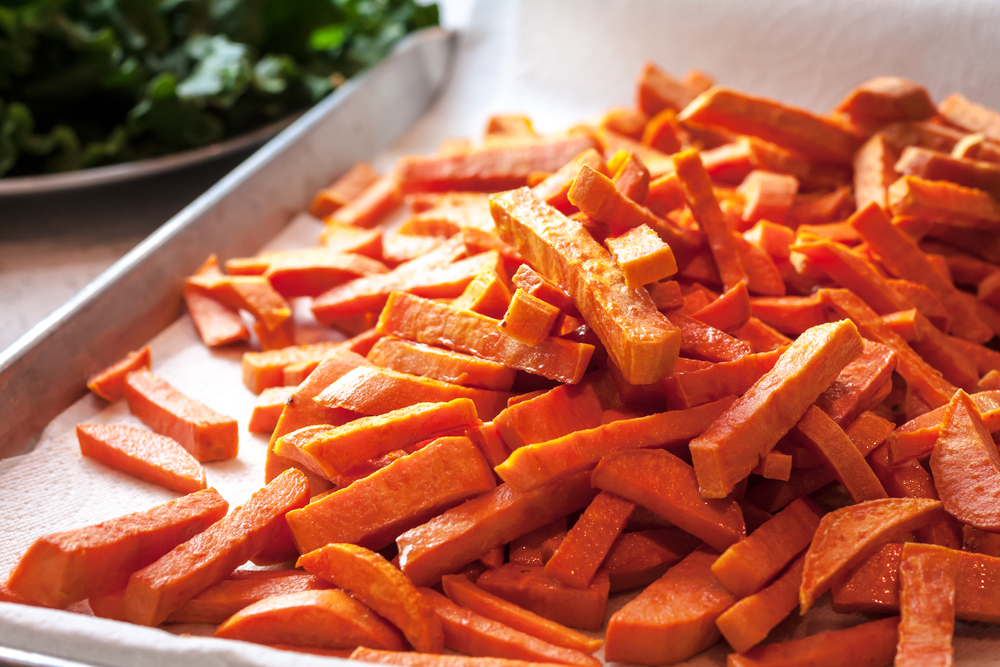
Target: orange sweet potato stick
377 584
734 443
943 201
154 458
578 556
61 568
535 465
466 594
159 589
657 90
371 390
466 532
491 168
642 343
469 632
859 387
674 618
414 659
552 414
216 323
936 166
885 99
267 409
966 114
530 281
351 184
220 601
553 190
630 175
815 137
664 133
327 619
915 439
663 483
372 204
839 455
866 645
700 197
314 274
426 321
537 546
774 465
528 586
748 622
109 383
267 369
639 558
905 259
768 196
745 567
373 511
642 256
966 466
487 294
528 319
208 435
251 293
729 312
341 448
789 314
704 342
686 389
927 605
847 536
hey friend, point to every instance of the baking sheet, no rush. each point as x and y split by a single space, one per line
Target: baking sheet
559 62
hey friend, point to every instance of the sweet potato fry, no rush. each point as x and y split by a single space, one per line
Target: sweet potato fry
426 321
528 319
727 313
748 622
642 256
267 410
312 275
528 586
159 589
378 585
686 389
251 293
219 601
674 618
965 113
657 90
915 439
154 458
936 166
885 99
582 551
663 483
768 196
859 386
467 531
745 567
642 343
109 383
328 619
208 435
553 190
943 201
464 593
62 568
639 558
217 324
866 645
414 659
927 605
552 414
966 466
350 184
701 341
732 446
368 207
373 511
847 536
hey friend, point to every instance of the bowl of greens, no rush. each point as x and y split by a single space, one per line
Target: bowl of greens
99 90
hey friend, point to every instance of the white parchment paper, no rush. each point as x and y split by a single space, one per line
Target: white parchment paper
559 61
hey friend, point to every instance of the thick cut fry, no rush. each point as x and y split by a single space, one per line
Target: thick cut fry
344 447
768 196
156 591
733 378
904 258
847 536
466 594
966 466
373 511
314 274
674 618
220 601
642 256
371 390
927 606
973 117
529 280
815 137
208 435
328 619
582 551
351 184
528 319
528 586
474 634
491 168
657 90
466 532
639 558
377 584
870 644
216 323
887 98
268 407
943 201
915 439
370 205
663 483
729 312
750 564
154 458
638 337
734 443
839 455
251 293
699 196
552 414
426 321
109 383
62 568
859 386
267 369
701 341
748 622
535 465
487 295
936 166
537 546
553 190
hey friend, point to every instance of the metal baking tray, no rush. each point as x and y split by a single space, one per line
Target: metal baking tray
43 372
